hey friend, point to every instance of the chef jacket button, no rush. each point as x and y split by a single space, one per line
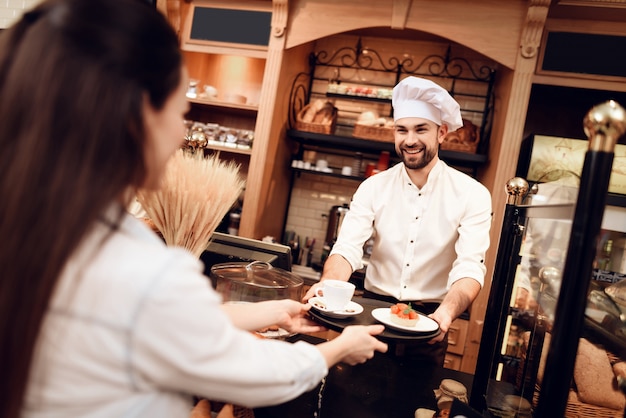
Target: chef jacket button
412 241
417 217
407 264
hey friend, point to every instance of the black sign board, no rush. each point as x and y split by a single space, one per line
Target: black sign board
244 27
585 53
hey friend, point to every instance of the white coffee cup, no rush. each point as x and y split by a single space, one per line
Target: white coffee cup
335 294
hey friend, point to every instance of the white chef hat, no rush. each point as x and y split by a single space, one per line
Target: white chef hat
416 97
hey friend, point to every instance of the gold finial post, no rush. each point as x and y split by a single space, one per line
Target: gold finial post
516 190
603 124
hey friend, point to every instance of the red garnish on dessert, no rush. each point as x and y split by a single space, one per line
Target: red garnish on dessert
403 314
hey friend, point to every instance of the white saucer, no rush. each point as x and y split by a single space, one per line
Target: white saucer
424 323
351 309
279 333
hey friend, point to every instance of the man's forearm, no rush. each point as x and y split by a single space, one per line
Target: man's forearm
336 267
460 297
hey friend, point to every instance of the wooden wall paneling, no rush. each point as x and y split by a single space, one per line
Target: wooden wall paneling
267 190
400 13
505 151
457 335
172 10
467 23
229 74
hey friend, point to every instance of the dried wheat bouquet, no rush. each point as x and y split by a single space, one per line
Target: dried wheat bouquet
196 193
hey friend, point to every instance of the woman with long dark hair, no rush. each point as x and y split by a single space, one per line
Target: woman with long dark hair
97 316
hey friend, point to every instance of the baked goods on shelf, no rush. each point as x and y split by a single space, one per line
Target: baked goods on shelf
403 314
370 125
318 116
361 91
464 139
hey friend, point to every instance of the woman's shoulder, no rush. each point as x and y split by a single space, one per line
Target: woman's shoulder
124 266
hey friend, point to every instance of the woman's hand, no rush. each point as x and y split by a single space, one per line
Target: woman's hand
285 313
355 345
294 317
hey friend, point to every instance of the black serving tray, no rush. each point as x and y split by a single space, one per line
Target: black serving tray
366 318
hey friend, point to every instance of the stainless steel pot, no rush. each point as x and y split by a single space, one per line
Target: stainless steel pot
335 218
255 281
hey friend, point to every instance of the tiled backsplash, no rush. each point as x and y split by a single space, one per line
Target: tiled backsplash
312 198
11 10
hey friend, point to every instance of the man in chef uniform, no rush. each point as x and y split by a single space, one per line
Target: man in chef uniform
430 222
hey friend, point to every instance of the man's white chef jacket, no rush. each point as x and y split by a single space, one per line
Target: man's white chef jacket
135 329
425 239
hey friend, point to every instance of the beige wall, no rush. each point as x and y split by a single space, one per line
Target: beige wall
11 10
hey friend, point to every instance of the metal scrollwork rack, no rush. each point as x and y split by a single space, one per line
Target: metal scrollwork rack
362 79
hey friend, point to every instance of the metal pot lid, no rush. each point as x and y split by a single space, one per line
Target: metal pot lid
256 273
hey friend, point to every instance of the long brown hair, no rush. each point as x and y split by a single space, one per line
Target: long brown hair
73 74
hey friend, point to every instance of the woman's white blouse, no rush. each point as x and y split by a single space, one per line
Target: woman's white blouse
135 329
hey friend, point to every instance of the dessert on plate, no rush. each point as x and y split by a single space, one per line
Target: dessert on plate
403 314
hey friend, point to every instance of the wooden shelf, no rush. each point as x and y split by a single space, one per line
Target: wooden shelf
244 108
225 148
358 97
345 143
323 173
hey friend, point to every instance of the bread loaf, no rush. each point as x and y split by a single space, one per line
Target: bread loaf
619 369
312 110
594 377
318 112
325 115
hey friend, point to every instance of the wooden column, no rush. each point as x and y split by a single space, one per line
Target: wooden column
262 198
512 118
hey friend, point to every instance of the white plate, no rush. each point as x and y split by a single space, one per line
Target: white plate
352 309
424 323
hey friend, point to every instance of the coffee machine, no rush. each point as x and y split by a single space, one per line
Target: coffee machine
335 219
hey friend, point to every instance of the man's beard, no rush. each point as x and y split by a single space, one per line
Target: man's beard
420 160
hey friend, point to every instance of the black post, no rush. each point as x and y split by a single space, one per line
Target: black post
604 124
499 295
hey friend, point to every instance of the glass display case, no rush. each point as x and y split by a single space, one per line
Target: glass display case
553 341
538 233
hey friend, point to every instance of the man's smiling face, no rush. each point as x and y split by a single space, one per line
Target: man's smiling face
417 141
